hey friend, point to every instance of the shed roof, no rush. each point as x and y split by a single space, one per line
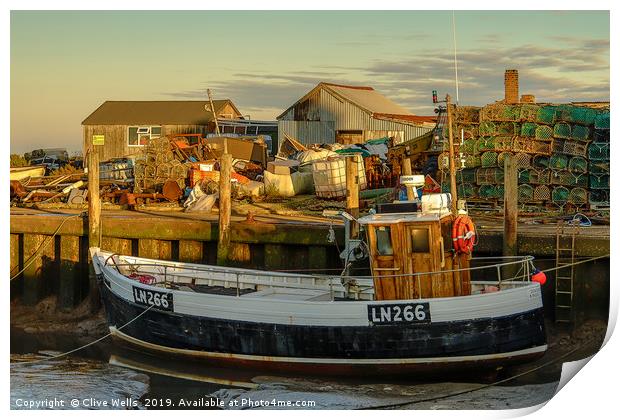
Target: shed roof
156 112
364 97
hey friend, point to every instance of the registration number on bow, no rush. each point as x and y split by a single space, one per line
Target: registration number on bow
159 300
400 313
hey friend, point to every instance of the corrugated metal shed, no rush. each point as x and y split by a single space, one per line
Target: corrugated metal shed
328 110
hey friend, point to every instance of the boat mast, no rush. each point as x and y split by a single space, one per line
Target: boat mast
453 193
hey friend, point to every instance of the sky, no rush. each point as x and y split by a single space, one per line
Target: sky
64 64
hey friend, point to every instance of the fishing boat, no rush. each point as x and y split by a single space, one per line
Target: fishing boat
19 173
425 306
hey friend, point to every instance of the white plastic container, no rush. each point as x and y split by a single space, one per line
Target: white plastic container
436 203
330 177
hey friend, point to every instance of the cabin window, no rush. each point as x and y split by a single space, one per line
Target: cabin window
139 136
384 240
419 240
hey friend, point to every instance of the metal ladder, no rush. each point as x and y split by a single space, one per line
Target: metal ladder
565 274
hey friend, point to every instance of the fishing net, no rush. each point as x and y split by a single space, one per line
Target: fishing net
467 175
489 176
578 164
543 132
467 114
471 161
541 193
601 135
558 161
576 114
559 195
485 143
508 129
599 182
467 131
540 161
528 129
599 197
503 143
527 145
562 131
501 157
569 179
580 132
569 147
578 196
469 146
500 112
546 115
598 151
463 190
523 160
599 167
524 176
488 159
491 191
528 112
525 192
487 128
601 120
540 176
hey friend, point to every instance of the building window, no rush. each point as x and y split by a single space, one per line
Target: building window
139 136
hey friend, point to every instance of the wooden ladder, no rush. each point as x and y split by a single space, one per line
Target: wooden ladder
565 273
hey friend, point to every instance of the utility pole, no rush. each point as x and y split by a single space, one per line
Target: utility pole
453 191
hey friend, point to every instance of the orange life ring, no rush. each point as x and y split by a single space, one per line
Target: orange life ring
463 234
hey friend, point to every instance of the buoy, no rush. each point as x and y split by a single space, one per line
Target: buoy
539 277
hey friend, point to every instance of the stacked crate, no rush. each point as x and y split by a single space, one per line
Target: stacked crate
561 151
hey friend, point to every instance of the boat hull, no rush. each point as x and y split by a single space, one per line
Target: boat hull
331 349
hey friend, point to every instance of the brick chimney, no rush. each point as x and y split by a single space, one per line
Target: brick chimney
511 87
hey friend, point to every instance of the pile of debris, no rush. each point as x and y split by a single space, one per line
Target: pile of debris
321 169
562 152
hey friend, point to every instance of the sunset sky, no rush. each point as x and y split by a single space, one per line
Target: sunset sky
65 64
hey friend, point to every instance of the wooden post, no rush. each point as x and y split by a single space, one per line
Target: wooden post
407 171
510 206
94 218
353 191
453 191
223 244
217 126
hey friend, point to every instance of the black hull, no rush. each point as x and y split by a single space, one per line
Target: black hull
472 343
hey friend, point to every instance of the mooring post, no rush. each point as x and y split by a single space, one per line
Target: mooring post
407 171
453 190
223 244
511 210
353 191
94 219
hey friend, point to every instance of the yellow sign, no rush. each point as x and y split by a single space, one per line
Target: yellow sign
98 140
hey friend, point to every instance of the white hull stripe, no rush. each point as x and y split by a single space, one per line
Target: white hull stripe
316 360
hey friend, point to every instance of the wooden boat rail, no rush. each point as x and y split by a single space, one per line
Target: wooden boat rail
513 272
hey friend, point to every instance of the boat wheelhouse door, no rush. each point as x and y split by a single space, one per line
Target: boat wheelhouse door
401 247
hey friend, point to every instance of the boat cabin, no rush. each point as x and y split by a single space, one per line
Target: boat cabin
409 253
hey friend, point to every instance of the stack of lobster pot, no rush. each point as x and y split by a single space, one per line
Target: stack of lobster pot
157 164
561 152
